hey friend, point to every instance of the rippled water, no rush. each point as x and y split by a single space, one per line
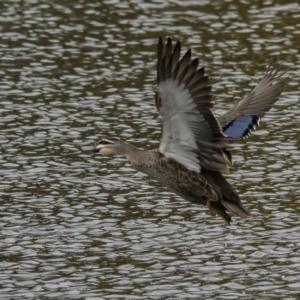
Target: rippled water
76 225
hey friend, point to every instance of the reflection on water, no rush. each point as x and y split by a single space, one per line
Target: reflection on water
74 225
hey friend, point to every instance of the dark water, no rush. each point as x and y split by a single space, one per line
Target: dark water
76 225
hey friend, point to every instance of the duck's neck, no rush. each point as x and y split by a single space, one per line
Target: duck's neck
131 152
138 158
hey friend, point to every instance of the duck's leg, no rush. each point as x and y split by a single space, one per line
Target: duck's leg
220 211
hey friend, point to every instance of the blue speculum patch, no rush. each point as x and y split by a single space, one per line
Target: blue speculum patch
241 126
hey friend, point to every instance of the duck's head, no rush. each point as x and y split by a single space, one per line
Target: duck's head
110 146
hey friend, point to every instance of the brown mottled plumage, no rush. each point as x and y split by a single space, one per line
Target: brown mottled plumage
193 153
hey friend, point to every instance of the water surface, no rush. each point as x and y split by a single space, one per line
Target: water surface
76 225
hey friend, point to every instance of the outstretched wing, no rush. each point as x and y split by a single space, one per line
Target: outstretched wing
191 135
243 118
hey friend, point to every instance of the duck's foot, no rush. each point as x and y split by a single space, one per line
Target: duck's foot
220 211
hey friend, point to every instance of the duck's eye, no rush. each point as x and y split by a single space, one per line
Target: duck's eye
104 142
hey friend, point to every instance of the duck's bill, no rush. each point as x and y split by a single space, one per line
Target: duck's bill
94 149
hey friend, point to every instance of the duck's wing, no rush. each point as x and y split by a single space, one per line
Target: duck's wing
191 135
242 119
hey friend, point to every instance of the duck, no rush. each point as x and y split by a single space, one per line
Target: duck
193 154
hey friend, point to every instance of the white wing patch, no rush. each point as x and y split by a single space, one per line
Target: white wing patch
179 115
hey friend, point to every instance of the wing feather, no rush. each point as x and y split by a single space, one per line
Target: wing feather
243 118
191 134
